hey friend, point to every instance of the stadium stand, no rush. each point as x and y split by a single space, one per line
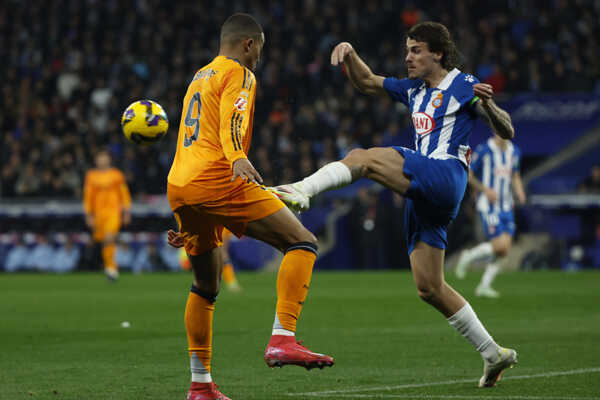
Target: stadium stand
70 68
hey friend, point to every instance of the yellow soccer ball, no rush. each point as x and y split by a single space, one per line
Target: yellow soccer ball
144 122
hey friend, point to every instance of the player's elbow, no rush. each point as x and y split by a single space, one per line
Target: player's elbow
506 133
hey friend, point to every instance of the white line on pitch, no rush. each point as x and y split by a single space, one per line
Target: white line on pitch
451 382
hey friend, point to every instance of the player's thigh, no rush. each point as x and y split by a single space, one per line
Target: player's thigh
200 231
384 165
427 264
280 229
106 227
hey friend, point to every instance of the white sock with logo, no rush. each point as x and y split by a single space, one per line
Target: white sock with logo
331 176
465 321
491 271
199 373
278 329
481 251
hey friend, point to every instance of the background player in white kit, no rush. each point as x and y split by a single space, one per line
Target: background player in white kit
495 175
444 103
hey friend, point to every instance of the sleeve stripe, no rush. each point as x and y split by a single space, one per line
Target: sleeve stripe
251 82
232 138
245 74
238 134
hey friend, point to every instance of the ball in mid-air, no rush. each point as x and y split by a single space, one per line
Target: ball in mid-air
144 122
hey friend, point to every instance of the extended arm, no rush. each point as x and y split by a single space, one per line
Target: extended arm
480 187
358 72
517 185
498 119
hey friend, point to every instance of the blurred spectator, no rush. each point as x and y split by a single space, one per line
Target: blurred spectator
66 257
41 258
125 256
69 71
591 184
148 259
368 219
17 257
170 257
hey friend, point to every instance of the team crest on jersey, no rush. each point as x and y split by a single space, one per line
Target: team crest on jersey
469 78
240 104
423 123
438 101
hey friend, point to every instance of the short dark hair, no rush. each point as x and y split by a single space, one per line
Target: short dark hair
240 26
438 40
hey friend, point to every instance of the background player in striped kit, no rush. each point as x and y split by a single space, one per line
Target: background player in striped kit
495 175
444 103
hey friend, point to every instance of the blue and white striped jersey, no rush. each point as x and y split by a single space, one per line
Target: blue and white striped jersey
443 116
495 167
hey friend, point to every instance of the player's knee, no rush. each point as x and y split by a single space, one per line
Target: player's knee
501 251
301 236
206 291
428 292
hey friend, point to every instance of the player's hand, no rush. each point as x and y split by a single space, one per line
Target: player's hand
245 170
126 217
491 195
484 91
89 220
340 52
174 239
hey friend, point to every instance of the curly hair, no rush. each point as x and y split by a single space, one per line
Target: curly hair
438 40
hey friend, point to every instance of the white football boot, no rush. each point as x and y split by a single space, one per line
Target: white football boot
462 265
293 196
486 291
507 358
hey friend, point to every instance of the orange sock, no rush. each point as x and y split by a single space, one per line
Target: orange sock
198 325
108 256
228 274
293 281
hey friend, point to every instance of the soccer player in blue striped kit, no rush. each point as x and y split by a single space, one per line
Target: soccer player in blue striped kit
444 103
495 175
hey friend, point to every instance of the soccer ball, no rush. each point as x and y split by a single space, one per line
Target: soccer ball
144 122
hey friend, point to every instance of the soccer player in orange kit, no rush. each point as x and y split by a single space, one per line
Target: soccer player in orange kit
106 203
213 185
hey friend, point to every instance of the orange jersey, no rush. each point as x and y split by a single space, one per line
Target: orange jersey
215 128
105 192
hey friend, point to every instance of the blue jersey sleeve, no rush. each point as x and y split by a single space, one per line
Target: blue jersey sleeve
462 90
398 88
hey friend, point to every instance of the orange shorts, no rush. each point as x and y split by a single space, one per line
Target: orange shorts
201 222
106 225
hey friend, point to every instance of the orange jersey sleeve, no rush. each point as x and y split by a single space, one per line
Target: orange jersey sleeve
236 109
216 124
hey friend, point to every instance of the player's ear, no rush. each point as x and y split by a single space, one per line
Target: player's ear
248 43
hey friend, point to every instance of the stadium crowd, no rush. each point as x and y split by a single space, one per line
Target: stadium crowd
71 67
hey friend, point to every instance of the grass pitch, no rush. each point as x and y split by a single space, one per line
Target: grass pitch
61 338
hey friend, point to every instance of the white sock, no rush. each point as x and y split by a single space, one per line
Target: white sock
481 251
280 330
465 321
489 275
331 176
199 373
